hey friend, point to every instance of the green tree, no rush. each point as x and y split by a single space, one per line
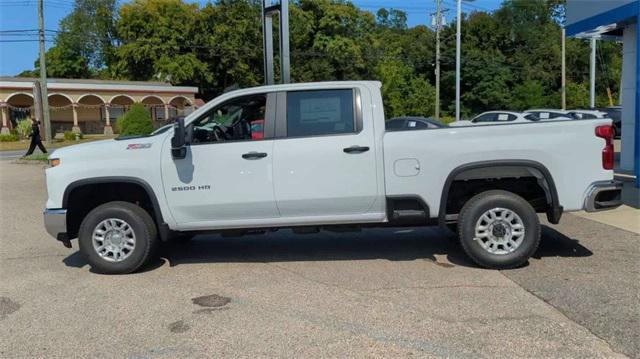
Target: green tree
530 94
404 93
84 45
577 95
392 19
229 36
136 121
158 42
510 57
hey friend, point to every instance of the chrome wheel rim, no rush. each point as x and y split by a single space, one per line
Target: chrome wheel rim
114 240
499 231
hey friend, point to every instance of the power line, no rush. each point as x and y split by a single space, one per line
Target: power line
35 40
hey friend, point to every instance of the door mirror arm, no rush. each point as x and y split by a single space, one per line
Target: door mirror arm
179 140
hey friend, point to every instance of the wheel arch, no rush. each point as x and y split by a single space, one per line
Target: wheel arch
116 180
555 210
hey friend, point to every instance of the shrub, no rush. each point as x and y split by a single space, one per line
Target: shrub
136 121
23 128
71 136
8 138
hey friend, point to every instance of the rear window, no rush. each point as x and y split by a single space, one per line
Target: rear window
584 116
487 117
322 112
394 125
417 124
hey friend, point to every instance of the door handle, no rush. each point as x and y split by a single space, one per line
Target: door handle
254 155
356 149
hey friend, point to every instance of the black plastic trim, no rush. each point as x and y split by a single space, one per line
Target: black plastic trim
115 179
555 211
390 207
281 115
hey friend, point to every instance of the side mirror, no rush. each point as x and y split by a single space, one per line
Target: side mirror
178 141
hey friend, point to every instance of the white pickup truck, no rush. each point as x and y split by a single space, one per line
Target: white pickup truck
315 156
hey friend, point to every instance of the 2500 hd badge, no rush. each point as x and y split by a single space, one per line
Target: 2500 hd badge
204 187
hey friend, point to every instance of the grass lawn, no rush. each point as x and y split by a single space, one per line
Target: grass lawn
36 157
24 144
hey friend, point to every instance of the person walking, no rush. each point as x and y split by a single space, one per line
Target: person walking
36 140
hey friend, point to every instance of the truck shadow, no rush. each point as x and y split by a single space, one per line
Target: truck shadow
393 244
556 244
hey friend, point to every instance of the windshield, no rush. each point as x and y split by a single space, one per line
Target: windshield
162 129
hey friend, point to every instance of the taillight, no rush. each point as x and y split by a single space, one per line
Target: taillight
606 132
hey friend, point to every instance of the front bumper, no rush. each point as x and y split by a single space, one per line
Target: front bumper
603 195
55 221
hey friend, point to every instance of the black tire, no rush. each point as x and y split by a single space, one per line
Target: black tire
140 222
476 207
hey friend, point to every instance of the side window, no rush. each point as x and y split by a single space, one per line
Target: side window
488 117
544 115
417 125
585 116
504 117
394 125
321 112
240 119
531 117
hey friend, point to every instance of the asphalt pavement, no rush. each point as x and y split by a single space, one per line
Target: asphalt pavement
12 155
376 293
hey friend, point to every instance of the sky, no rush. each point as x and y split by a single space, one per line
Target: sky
17 56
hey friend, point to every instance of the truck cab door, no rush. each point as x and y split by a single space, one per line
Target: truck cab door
326 157
227 172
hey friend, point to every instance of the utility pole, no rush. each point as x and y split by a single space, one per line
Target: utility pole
458 40
44 100
437 22
563 90
267 43
281 10
458 50
592 87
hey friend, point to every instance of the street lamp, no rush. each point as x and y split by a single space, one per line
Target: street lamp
458 36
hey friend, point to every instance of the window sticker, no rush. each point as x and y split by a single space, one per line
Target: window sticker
317 110
503 117
412 123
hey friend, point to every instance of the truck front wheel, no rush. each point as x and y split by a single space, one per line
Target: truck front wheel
498 229
117 237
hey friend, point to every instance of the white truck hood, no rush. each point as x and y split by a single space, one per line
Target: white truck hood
107 148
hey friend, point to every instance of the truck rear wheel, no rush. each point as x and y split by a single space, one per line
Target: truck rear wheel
117 238
498 229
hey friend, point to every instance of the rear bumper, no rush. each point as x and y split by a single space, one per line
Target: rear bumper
55 221
603 195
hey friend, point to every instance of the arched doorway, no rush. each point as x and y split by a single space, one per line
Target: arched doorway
89 115
179 106
60 112
157 110
117 106
18 107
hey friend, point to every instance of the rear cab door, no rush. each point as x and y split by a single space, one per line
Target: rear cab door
327 167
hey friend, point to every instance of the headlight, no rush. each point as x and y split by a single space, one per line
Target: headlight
54 162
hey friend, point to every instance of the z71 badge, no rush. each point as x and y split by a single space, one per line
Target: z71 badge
138 146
